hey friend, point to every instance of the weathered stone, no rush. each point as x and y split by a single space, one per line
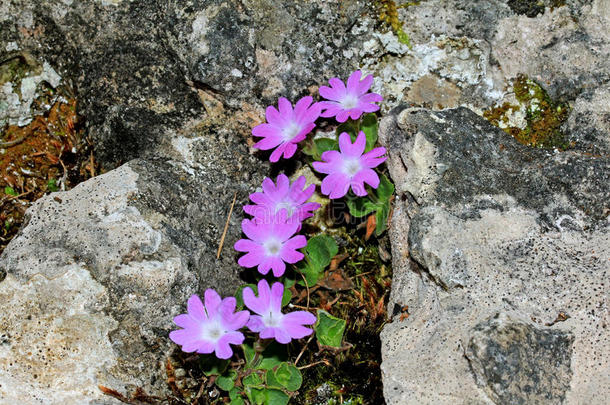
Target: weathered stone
517 363
138 65
112 262
493 226
589 123
563 53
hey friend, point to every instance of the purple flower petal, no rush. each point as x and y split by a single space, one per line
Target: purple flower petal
272 323
286 127
255 323
354 79
249 260
278 266
211 327
349 167
195 308
349 101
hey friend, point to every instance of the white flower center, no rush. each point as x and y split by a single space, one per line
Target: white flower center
272 320
351 166
213 332
291 130
349 101
272 247
288 206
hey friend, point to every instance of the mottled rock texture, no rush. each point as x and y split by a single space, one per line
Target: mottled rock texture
483 226
171 89
137 65
93 280
517 363
494 227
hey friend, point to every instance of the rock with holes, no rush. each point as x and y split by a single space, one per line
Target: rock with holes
138 66
484 226
93 280
517 363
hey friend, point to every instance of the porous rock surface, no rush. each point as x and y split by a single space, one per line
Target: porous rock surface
504 270
502 243
138 64
91 284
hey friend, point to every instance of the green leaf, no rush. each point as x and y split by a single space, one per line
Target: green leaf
310 149
256 396
10 191
272 381
286 297
249 354
237 401
276 397
211 365
360 206
326 144
381 218
52 185
369 126
234 393
350 127
329 330
311 272
288 376
321 249
226 382
318 254
252 380
239 297
385 189
273 355
289 279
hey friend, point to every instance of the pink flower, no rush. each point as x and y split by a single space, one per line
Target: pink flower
350 101
270 244
291 197
270 321
349 167
287 127
210 328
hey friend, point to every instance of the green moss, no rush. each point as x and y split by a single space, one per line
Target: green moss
543 116
388 13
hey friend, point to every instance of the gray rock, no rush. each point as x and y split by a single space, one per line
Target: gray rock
93 281
89 293
589 123
494 227
564 53
520 364
137 65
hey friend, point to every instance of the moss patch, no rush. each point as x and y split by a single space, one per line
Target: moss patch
543 116
532 8
388 13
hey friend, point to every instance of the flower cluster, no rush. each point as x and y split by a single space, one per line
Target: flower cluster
212 327
348 167
276 216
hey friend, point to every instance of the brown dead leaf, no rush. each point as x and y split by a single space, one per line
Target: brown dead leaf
335 261
337 280
114 393
371 223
